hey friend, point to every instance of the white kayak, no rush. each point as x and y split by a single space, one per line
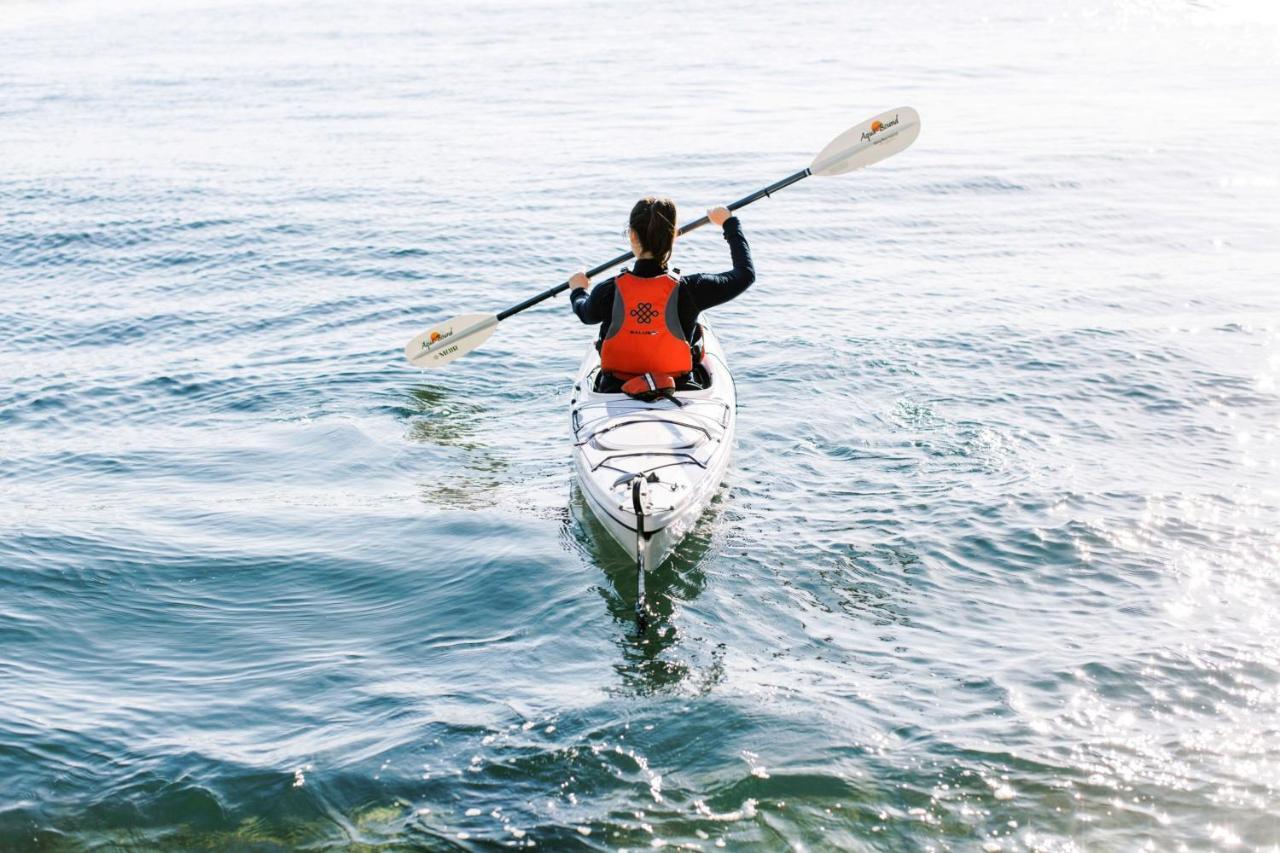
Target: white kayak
648 470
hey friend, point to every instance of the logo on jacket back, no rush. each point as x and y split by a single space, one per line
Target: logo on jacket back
643 312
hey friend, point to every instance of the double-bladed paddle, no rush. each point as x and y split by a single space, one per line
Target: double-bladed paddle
859 146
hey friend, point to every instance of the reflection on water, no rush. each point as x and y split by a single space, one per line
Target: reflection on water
650 662
440 416
474 475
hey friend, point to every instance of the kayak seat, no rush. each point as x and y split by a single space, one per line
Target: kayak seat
697 379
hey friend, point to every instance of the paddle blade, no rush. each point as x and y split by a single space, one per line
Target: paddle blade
867 143
441 344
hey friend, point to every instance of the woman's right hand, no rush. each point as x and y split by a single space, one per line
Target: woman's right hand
579 280
719 215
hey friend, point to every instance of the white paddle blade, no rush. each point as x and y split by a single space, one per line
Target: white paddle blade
867 143
442 344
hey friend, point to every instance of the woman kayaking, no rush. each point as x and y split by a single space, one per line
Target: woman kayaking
648 315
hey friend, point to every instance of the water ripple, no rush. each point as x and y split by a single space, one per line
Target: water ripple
994 567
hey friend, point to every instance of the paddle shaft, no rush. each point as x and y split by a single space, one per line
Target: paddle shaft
685 229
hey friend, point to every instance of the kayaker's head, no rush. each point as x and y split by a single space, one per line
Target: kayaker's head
653 228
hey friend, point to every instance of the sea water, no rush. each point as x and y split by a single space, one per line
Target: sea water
996 566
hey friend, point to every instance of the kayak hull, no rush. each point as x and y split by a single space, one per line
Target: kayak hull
679 452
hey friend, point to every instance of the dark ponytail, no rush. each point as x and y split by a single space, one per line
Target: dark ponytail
654 221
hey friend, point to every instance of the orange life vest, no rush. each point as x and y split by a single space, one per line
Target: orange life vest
645 335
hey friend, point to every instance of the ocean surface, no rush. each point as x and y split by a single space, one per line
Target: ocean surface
996 566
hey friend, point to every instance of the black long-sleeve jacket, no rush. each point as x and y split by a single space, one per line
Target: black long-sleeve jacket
698 291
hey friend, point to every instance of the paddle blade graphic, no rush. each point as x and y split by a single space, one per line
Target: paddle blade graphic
869 142
441 344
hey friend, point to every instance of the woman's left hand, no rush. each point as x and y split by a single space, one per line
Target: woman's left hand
719 215
579 280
